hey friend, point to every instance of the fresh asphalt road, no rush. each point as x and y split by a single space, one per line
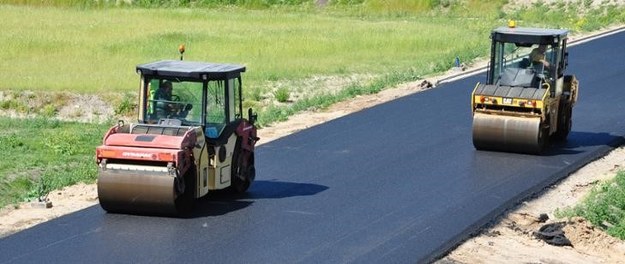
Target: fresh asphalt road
396 183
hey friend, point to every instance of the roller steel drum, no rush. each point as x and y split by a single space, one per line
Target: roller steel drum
137 191
507 133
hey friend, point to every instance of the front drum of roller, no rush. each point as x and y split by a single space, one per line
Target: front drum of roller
137 192
508 133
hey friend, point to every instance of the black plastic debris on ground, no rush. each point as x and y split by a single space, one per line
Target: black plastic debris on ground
553 234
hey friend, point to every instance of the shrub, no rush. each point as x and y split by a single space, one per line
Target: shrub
282 94
127 105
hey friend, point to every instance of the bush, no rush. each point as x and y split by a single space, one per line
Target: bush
127 106
282 94
48 111
604 207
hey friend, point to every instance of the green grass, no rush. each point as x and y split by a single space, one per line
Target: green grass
96 50
40 155
373 5
576 16
282 94
72 45
604 207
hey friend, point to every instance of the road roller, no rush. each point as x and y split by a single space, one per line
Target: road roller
527 99
190 138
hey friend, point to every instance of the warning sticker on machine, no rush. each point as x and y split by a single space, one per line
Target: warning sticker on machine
137 155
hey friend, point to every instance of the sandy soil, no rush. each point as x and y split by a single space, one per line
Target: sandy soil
509 239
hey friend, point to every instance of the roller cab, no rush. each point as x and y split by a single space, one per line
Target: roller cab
526 100
190 138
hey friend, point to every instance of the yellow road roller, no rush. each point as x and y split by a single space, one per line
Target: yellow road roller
527 99
190 138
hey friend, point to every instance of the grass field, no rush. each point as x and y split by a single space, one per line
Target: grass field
80 47
40 155
95 51
58 45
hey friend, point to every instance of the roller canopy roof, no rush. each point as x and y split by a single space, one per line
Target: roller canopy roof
529 35
191 69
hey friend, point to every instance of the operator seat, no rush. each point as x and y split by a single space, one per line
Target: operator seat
539 73
524 63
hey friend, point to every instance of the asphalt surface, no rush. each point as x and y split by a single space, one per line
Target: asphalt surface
396 183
